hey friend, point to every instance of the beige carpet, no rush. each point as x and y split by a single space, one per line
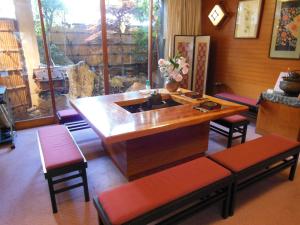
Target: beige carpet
24 196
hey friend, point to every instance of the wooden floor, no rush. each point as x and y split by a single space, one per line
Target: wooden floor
24 196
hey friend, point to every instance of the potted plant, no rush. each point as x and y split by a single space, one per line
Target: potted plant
172 70
290 84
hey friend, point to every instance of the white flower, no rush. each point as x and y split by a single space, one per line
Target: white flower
174 68
178 77
185 68
181 61
173 74
161 62
163 69
170 68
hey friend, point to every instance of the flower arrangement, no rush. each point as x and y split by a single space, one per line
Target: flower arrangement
174 68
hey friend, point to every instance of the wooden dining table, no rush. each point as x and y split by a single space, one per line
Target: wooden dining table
140 143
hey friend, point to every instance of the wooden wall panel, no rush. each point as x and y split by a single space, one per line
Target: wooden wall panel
243 65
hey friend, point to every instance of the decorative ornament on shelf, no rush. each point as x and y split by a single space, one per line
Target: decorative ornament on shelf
290 84
172 70
216 15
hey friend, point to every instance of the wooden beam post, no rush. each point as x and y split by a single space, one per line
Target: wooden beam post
47 57
104 47
150 43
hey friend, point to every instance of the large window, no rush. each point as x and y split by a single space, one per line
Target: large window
19 56
74 42
127 25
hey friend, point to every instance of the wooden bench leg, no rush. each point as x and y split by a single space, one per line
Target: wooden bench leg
293 168
230 134
100 221
52 195
244 133
232 199
226 203
85 185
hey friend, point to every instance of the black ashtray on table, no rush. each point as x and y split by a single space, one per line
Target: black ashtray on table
193 94
207 106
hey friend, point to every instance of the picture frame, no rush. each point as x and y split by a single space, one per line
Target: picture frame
248 18
201 62
184 45
285 40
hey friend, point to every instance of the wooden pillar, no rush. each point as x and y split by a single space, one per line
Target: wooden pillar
104 47
150 42
47 57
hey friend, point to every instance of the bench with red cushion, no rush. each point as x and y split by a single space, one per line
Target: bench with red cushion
256 159
149 198
236 98
232 127
60 155
251 103
68 115
71 119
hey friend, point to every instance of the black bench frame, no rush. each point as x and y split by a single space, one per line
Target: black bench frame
261 170
239 127
75 167
73 119
220 190
77 125
252 111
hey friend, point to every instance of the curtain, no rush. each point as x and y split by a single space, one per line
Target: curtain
183 18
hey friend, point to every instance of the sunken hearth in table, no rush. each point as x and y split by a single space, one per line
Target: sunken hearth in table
147 106
166 101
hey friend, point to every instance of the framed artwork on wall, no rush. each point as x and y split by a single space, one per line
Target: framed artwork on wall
184 45
248 18
285 41
201 56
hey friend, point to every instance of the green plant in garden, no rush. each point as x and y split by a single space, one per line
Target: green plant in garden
53 11
141 13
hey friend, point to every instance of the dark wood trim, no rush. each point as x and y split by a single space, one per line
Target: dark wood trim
21 125
47 57
104 47
150 42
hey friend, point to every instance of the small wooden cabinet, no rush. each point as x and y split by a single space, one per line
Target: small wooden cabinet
279 119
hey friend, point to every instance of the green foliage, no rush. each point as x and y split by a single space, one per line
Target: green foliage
120 16
140 37
53 11
141 9
58 56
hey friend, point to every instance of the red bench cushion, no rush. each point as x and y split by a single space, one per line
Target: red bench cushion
252 152
234 119
67 113
237 98
58 147
131 200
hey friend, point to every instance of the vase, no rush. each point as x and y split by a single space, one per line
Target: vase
172 85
